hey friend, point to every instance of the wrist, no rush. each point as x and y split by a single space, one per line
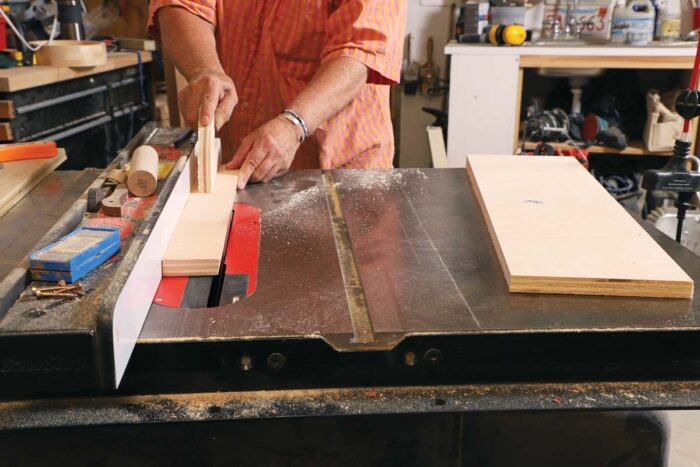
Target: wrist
297 122
295 118
204 71
295 130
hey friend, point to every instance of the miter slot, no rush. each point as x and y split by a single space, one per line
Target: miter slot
357 301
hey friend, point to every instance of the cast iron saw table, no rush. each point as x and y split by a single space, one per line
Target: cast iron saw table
359 292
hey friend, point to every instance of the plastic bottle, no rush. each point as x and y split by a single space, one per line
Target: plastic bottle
669 21
618 32
633 23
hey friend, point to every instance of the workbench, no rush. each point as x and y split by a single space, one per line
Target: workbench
488 81
92 112
430 329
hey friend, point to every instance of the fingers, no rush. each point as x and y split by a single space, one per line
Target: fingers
189 112
206 98
209 101
252 162
225 108
274 173
267 167
241 154
280 171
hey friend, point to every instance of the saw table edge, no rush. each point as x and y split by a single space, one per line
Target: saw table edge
43 170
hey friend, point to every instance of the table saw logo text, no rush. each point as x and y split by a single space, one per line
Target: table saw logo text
44 365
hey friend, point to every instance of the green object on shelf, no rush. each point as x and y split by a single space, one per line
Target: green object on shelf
6 61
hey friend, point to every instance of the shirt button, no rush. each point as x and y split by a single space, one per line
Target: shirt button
244 104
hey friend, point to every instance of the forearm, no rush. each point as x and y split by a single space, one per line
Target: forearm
189 41
335 84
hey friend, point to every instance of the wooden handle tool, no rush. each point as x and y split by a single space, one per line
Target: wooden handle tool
143 175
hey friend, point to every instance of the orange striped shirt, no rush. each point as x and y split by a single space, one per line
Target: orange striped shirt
272 48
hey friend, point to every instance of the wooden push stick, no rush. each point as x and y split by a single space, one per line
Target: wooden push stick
143 176
112 205
208 158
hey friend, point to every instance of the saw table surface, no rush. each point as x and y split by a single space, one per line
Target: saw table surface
426 264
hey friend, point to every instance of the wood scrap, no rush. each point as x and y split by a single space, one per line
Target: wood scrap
197 245
556 230
143 173
20 177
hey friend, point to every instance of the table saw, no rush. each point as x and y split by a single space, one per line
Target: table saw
340 292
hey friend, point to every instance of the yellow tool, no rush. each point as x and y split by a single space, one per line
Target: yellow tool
497 34
500 34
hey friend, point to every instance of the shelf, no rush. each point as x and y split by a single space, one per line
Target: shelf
635 148
678 56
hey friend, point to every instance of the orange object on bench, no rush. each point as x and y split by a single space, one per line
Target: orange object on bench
24 151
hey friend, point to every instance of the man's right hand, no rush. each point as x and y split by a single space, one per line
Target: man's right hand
209 94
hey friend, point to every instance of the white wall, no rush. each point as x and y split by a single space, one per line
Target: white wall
423 21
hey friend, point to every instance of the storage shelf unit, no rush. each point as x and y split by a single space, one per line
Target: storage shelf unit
486 87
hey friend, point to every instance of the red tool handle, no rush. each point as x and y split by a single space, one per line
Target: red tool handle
24 151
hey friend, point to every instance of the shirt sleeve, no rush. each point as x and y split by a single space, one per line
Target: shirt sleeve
205 9
370 31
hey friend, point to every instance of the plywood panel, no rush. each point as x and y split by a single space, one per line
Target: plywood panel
197 246
556 230
19 177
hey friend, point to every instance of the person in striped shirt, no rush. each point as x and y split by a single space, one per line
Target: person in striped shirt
289 83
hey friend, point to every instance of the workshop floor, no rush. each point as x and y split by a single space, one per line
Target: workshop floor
685 434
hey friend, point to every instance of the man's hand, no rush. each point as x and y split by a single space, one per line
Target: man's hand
267 152
209 94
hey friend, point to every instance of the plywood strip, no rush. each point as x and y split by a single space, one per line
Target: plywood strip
20 177
197 246
556 230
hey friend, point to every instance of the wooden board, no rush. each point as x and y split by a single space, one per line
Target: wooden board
19 78
20 177
197 246
556 230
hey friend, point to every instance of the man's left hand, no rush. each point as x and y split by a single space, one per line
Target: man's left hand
267 152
